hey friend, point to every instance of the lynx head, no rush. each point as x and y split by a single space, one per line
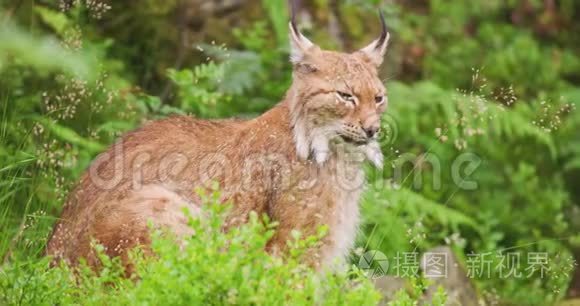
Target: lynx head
336 98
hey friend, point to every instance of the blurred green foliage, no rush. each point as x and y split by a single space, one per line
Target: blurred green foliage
494 81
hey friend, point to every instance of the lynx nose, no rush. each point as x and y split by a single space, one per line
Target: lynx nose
371 131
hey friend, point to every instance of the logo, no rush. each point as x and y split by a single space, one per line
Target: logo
374 263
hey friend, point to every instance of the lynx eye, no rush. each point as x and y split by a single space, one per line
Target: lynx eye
379 99
345 96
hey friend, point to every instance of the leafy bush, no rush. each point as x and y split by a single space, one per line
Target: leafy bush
210 268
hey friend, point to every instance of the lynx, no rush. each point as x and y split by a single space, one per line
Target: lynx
300 163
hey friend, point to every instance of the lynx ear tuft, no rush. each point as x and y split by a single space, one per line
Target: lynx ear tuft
376 50
299 44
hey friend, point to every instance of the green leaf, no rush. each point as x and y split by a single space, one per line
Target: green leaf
69 135
58 21
278 13
42 53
